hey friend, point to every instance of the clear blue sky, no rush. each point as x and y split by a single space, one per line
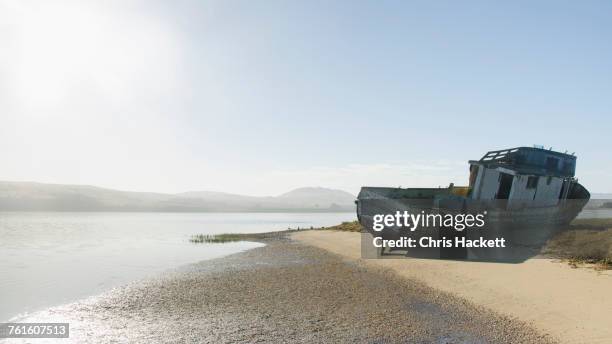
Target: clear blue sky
262 96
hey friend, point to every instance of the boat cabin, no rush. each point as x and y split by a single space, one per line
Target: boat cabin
523 176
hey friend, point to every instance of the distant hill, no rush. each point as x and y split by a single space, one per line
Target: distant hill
318 198
30 196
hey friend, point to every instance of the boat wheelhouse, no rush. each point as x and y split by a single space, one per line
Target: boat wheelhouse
525 176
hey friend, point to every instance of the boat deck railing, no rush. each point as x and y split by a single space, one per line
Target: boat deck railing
498 155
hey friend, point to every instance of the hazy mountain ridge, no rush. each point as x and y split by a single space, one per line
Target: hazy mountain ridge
30 196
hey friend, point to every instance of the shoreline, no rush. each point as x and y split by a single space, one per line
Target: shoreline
569 304
91 290
284 291
50 259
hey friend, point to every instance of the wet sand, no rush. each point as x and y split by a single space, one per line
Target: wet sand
284 292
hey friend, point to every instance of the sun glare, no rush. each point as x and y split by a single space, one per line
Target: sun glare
65 49
57 45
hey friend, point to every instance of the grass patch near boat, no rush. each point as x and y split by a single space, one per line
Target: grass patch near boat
588 242
348 226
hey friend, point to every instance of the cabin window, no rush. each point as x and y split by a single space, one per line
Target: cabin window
505 185
532 182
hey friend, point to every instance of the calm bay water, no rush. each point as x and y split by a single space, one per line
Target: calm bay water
51 258
595 214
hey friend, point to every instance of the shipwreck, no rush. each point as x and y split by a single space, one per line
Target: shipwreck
528 194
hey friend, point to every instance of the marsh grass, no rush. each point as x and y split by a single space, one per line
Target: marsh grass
349 226
215 238
233 237
587 242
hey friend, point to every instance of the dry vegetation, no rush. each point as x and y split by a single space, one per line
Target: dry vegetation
588 242
352 226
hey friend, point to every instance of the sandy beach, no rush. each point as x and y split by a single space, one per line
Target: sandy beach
287 291
572 305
